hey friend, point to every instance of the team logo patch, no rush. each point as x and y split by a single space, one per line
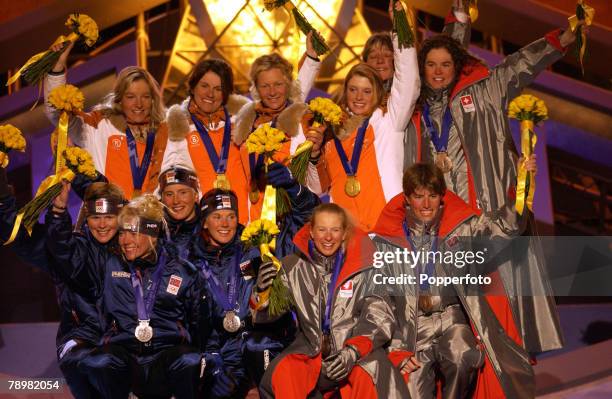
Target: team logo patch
452 241
100 208
117 143
194 139
467 103
170 177
174 284
346 290
120 274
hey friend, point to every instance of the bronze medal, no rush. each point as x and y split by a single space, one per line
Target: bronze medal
231 322
443 162
143 331
222 182
352 187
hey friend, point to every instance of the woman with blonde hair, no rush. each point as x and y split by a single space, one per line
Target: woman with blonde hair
343 321
278 101
126 134
148 301
361 167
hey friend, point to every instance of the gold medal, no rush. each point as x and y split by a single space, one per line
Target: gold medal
352 187
443 162
222 182
136 193
231 322
143 332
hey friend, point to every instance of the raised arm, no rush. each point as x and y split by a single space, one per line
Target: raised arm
458 24
518 70
309 68
406 85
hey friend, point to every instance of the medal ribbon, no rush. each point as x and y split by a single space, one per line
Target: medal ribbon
429 267
338 261
219 162
139 172
145 305
226 300
439 140
350 168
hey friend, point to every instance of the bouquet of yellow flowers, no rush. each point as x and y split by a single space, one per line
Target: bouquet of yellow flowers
33 71
529 110
10 139
67 99
325 111
76 161
302 23
261 234
266 140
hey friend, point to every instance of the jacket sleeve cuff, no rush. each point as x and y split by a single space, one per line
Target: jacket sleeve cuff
553 39
397 357
361 343
455 16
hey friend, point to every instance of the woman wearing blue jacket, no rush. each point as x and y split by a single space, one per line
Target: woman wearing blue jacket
148 300
80 327
225 267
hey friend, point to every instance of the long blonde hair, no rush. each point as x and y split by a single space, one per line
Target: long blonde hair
127 76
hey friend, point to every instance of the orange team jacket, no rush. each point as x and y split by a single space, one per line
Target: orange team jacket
207 175
368 204
118 170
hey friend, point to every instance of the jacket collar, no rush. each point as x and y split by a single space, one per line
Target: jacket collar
470 74
359 252
389 224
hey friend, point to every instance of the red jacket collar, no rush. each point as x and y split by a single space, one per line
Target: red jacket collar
470 74
359 253
390 221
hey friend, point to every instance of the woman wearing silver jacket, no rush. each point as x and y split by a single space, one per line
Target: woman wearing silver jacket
343 321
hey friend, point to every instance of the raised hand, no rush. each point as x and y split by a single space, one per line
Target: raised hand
61 63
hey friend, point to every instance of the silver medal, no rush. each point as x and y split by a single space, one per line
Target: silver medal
231 322
143 331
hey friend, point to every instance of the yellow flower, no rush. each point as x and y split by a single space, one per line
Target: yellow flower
80 161
67 98
265 140
11 138
528 107
325 109
84 26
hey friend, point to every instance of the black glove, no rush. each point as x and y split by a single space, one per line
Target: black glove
280 176
265 276
339 366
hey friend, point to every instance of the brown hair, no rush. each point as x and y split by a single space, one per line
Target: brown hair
461 57
126 77
103 190
423 175
378 39
366 71
219 67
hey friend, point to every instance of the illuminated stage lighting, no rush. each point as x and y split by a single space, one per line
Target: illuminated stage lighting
240 31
